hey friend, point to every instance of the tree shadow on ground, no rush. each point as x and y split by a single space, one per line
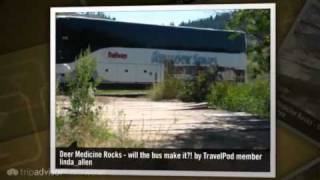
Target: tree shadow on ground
227 132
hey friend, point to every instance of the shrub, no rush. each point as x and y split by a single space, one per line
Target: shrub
187 91
82 123
168 89
59 124
101 133
81 85
198 89
201 86
218 92
252 97
173 88
82 119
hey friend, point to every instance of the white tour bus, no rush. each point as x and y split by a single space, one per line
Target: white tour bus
131 53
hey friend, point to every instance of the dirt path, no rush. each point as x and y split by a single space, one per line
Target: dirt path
172 124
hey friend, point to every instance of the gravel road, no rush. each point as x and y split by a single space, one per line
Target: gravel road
174 124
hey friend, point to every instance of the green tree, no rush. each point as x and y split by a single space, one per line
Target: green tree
217 22
256 24
82 84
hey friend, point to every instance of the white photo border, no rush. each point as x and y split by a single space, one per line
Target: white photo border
271 174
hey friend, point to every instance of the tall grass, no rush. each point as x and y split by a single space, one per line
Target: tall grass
252 97
81 122
168 89
173 88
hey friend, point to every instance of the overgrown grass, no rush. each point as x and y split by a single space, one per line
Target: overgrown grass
86 130
196 90
252 97
173 88
80 121
168 89
95 131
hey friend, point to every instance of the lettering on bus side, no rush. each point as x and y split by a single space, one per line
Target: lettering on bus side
181 59
117 55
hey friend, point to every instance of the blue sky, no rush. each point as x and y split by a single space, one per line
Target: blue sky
162 17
